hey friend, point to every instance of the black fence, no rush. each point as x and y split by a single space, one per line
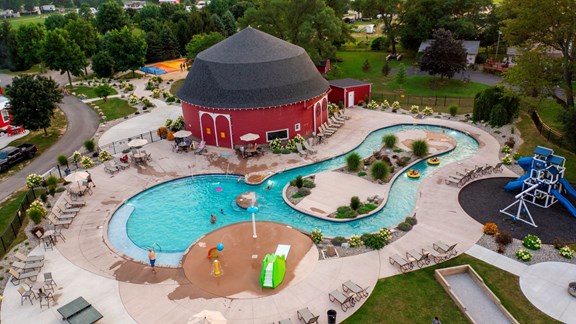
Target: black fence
431 101
550 134
11 232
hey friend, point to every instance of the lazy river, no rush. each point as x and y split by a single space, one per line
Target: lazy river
174 214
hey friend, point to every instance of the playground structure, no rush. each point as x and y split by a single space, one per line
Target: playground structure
274 267
542 185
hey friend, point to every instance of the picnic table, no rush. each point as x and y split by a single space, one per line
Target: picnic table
79 311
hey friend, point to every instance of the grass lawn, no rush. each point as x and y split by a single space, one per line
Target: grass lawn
9 207
432 86
532 139
18 21
33 70
176 85
89 92
416 297
115 108
550 112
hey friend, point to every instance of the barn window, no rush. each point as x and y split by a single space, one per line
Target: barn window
5 116
280 134
297 127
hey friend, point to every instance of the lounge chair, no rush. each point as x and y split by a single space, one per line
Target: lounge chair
306 316
340 113
488 169
352 287
451 180
17 276
64 210
24 267
201 148
478 172
309 146
79 311
30 258
26 294
402 263
300 150
336 122
60 216
445 248
498 167
330 128
339 117
57 222
285 321
421 258
327 130
345 301
120 164
108 167
73 203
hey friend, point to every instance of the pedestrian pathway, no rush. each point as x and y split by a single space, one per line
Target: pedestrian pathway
5 139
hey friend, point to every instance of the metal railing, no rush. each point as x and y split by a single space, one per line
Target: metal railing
121 146
431 101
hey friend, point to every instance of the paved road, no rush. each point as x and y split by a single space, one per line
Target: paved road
82 125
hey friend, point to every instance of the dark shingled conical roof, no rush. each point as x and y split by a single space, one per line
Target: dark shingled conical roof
252 69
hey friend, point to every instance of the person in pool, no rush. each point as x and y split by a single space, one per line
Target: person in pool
222 211
213 219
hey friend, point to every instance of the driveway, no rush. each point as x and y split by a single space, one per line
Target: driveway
82 125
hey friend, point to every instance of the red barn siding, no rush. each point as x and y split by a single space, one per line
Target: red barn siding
336 95
361 92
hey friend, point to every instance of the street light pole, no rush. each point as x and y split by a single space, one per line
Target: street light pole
253 210
498 45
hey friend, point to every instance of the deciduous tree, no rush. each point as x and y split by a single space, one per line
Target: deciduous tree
111 16
29 38
445 55
61 53
103 64
201 42
127 48
33 100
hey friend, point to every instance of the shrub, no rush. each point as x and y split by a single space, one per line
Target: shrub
275 144
558 243
379 170
390 140
285 151
353 161
43 197
89 145
87 162
338 240
36 211
299 182
355 241
510 142
404 226
171 99
162 131
374 241
532 242
52 190
62 160
345 212
506 159
453 110
420 148
361 173
52 181
366 208
386 234
490 229
427 111
523 255
516 156
414 109
276 151
170 136
354 202
304 192
34 181
366 66
504 238
316 235
411 220
566 252
496 105
506 149
309 183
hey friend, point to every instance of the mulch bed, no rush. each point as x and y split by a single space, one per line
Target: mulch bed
484 199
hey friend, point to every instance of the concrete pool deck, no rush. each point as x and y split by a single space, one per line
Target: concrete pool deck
126 291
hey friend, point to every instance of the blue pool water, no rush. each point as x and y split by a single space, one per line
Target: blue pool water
174 214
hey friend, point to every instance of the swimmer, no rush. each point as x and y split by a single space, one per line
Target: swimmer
239 179
222 211
213 219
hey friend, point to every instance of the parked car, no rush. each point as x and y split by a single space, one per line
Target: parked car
11 155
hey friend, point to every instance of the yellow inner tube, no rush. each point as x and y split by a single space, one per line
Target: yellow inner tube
413 174
433 161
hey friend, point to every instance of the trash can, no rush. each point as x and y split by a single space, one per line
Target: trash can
331 316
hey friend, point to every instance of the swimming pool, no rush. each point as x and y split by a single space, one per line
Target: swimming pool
172 215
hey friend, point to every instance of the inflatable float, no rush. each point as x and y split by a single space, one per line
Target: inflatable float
413 174
433 161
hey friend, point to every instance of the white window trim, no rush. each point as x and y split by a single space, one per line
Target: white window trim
279 130
297 127
2 112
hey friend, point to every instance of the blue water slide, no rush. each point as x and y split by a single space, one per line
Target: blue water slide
565 202
568 187
516 184
525 163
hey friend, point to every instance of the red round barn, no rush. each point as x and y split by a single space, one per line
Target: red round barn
253 82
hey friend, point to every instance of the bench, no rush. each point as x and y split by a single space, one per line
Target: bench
79 311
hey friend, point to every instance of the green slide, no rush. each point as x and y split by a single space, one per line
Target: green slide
273 270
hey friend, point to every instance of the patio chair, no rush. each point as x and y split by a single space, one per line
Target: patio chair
49 281
201 148
335 122
17 276
300 150
108 167
309 146
24 267
498 167
402 263
148 156
57 222
445 248
63 210
58 233
25 294
352 287
30 285
345 301
421 259
341 114
46 241
45 296
120 164
458 182
30 258
285 321
306 316
79 311
488 169
478 171
73 203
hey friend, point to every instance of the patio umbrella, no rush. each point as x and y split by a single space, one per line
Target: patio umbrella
137 143
208 316
182 134
76 176
249 137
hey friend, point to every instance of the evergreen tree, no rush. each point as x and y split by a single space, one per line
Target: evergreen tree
170 44
229 23
218 24
400 75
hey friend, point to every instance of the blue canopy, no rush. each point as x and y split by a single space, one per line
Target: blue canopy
152 70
